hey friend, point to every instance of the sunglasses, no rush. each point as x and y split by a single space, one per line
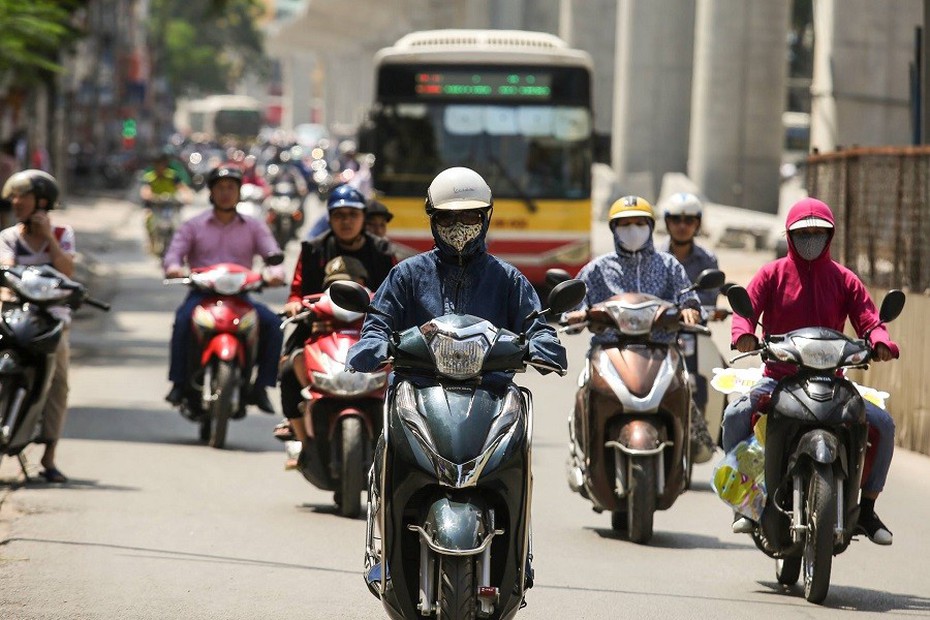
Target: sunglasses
678 219
469 217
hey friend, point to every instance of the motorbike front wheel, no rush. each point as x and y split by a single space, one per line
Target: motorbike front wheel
352 472
641 501
820 515
225 382
458 592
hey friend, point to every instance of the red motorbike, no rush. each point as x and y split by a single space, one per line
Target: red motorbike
342 410
224 349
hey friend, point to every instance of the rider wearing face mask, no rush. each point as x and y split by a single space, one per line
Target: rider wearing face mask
808 289
458 276
635 266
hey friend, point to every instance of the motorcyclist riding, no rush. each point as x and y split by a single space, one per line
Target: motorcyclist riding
346 237
636 266
683 213
808 289
458 276
222 235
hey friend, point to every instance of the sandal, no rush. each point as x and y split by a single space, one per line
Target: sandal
53 475
283 431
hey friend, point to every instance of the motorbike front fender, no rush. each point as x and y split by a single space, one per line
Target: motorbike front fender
639 437
820 445
454 528
225 347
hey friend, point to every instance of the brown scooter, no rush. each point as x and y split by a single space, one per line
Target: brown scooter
630 430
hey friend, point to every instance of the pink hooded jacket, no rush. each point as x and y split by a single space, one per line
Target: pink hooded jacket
791 293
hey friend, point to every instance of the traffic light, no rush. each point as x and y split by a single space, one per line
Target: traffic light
129 133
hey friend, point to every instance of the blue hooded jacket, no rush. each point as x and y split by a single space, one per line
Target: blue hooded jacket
644 271
442 281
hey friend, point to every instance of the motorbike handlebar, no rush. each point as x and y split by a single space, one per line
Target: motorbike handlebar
96 303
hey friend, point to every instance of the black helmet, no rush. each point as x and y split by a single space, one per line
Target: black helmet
375 207
225 171
41 184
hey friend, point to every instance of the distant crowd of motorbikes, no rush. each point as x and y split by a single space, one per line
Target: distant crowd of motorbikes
445 460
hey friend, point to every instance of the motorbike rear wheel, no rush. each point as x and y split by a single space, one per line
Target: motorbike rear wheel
641 502
352 472
225 382
458 591
820 513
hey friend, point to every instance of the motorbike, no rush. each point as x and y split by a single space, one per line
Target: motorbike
341 409
630 448
224 349
816 436
251 201
700 347
164 218
448 524
285 212
30 330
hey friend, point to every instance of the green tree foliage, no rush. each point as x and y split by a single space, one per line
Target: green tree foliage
206 47
31 34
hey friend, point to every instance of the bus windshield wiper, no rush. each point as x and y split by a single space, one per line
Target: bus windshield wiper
522 195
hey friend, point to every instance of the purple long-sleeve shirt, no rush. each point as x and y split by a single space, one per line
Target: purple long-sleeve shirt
203 240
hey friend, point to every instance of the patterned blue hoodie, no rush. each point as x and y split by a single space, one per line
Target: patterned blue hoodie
644 271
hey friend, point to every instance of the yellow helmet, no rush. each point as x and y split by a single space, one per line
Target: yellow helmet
630 206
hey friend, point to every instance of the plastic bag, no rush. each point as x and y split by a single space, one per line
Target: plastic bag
739 478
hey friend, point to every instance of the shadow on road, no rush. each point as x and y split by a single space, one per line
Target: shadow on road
145 424
674 540
37 482
168 554
331 509
850 598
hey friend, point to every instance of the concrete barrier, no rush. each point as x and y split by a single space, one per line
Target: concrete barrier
906 379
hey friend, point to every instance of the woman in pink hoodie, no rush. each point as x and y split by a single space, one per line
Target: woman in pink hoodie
808 289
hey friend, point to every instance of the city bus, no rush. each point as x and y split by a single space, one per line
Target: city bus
514 106
220 117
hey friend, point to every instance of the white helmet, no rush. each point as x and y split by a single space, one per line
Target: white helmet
682 203
457 189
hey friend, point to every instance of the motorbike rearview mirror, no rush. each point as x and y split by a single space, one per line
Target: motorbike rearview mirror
892 305
726 287
274 259
556 276
566 295
740 302
709 279
350 295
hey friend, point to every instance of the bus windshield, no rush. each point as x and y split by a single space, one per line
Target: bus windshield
238 122
523 151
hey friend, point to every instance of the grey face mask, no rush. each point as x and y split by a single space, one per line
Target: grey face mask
458 235
809 245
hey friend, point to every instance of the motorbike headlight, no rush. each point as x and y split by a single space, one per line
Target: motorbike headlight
222 283
820 354
340 382
347 383
36 286
633 320
458 359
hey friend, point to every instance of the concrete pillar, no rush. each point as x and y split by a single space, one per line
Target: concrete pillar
652 92
740 74
823 104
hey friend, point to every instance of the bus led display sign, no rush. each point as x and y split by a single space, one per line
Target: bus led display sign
498 85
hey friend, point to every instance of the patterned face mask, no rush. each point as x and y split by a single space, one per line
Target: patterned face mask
809 245
459 235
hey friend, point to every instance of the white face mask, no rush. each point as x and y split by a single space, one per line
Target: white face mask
634 237
458 235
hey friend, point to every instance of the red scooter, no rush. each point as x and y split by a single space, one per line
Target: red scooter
342 410
224 348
